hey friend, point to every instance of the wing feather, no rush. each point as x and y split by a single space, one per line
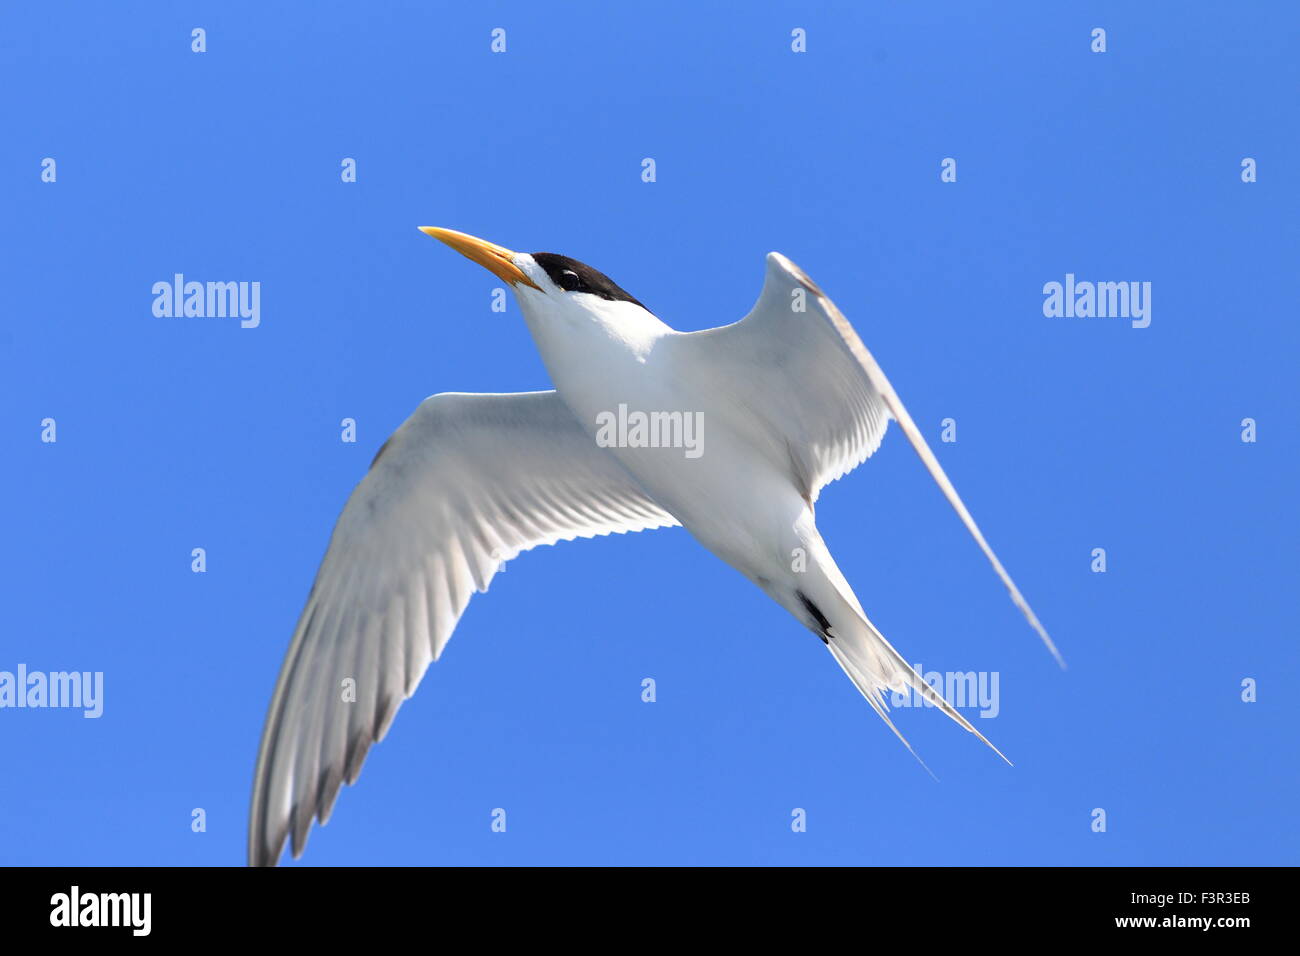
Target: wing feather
835 401
469 481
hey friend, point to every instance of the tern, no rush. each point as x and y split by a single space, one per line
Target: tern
789 399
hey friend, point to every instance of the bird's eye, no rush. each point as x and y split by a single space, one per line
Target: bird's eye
570 281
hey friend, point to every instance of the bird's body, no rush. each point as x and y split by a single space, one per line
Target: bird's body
783 402
649 369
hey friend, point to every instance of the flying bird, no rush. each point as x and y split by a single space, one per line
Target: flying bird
788 399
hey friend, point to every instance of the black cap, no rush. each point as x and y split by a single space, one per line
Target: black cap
574 276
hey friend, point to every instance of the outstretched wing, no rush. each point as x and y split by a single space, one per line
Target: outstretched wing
820 388
467 482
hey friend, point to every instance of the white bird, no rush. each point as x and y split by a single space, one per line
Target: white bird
789 399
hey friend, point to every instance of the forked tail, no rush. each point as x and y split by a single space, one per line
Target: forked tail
871 661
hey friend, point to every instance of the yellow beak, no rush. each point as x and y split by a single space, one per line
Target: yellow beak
498 260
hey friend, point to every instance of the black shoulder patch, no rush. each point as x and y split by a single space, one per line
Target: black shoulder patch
823 628
574 276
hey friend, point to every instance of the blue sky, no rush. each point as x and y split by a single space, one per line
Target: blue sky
1072 433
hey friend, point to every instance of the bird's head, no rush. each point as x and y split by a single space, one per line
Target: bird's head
546 284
